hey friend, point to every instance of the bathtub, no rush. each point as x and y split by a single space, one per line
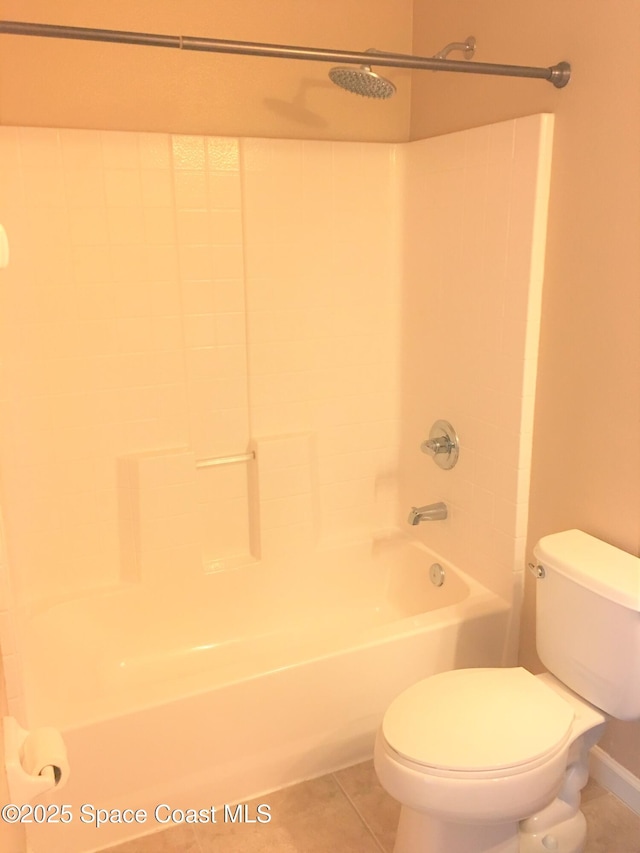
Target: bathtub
253 679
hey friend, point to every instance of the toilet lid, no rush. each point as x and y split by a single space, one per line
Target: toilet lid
477 719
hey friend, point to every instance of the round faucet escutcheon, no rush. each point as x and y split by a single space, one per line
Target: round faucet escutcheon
442 445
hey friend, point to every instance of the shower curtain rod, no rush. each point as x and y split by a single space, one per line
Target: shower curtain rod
558 74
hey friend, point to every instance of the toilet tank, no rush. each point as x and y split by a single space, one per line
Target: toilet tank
588 619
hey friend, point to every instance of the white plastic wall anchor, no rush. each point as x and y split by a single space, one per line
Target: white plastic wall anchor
4 249
23 787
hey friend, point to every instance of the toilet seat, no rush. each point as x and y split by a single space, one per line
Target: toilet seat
473 722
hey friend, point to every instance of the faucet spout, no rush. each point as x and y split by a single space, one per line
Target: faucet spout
430 512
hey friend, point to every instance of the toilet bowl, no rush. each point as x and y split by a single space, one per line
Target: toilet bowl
493 760
471 753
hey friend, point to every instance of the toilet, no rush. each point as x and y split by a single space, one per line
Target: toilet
493 760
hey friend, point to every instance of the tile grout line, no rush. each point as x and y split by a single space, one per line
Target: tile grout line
116 847
356 810
197 841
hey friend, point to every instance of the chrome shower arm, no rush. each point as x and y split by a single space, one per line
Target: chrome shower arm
468 48
558 74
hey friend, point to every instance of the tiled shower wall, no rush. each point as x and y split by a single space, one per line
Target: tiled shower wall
138 264
323 300
474 242
172 299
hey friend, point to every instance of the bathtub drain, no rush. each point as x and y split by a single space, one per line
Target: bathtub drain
436 573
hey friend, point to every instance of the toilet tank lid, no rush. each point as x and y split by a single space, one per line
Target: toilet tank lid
594 564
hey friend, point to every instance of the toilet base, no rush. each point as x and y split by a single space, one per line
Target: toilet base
570 836
420 833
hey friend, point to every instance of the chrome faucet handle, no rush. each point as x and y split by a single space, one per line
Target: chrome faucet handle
442 444
433 446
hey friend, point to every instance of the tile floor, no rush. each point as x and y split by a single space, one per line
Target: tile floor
348 812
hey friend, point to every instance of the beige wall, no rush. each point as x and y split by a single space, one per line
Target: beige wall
586 443
55 83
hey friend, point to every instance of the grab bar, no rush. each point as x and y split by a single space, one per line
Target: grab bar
225 460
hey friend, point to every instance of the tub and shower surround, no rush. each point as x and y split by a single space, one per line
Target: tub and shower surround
175 301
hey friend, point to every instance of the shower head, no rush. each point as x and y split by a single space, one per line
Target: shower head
362 81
